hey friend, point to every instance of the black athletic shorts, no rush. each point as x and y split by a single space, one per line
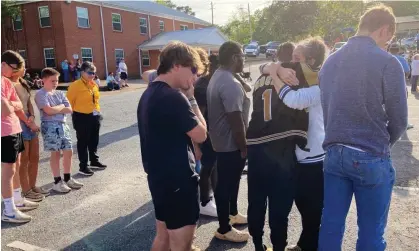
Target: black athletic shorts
124 75
11 146
178 208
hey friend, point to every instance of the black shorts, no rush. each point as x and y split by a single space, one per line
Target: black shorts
124 75
11 146
178 208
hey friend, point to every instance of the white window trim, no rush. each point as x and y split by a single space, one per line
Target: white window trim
146 26
45 58
120 21
13 23
123 52
149 59
184 25
88 18
39 16
161 22
81 52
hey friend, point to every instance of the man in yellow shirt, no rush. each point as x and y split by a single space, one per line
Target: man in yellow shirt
84 96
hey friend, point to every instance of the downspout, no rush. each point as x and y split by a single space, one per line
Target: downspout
174 28
140 61
104 42
149 27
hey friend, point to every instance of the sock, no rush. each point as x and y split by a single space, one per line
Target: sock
66 177
17 196
9 206
57 179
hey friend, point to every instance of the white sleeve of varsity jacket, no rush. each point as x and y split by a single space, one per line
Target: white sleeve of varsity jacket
301 98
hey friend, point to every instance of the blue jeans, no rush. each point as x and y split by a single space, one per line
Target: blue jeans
370 178
66 76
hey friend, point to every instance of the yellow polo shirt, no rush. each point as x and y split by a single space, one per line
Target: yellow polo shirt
84 96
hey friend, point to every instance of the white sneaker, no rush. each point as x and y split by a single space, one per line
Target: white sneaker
210 209
74 184
238 219
16 217
27 205
61 187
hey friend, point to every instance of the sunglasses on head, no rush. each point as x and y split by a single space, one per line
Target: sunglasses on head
15 69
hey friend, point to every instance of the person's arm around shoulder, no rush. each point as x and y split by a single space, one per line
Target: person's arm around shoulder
300 99
395 99
232 97
286 74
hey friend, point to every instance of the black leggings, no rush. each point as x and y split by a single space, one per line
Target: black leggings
309 201
208 174
230 166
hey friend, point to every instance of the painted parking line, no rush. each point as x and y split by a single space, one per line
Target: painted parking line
26 247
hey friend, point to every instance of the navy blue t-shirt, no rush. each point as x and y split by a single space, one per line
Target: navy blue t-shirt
164 117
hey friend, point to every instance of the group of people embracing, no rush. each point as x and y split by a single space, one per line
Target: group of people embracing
320 132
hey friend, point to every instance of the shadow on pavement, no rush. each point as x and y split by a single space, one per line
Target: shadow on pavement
108 138
405 163
131 232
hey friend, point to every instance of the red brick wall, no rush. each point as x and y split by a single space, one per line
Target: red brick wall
76 38
155 26
34 39
67 38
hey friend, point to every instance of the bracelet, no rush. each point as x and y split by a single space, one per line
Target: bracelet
191 98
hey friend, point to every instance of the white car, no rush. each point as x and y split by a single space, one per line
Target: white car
251 50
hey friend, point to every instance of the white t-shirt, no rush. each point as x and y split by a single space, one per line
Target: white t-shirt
123 67
415 67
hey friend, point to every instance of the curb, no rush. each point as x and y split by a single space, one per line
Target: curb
410 189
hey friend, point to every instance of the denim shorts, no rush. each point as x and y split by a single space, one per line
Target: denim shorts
27 133
56 136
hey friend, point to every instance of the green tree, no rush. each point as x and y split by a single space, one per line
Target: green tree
186 9
9 12
401 8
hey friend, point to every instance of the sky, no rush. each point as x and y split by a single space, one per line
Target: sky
223 9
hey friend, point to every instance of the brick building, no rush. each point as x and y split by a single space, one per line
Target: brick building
47 32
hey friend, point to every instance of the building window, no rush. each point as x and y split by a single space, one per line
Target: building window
145 58
49 55
161 25
44 18
183 27
116 22
83 17
143 25
119 54
17 23
86 54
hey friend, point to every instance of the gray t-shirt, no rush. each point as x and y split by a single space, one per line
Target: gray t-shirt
43 98
225 94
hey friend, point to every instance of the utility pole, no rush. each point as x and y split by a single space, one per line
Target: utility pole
212 13
250 22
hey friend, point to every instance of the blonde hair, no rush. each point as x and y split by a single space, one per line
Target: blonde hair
376 17
203 55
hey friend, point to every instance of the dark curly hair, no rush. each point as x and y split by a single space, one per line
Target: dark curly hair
284 52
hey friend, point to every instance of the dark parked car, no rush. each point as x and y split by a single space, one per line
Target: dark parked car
264 48
271 50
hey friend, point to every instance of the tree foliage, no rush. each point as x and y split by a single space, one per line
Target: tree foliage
9 11
186 9
294 20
